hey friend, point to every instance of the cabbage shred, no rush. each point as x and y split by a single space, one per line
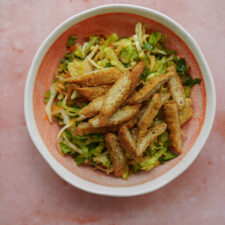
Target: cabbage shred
102 52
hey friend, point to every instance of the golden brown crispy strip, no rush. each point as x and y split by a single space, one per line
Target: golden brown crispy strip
165 97
150 88
92 109
134 132
171 116
148 116
95 78
186 112
164 93
135 76
92 93
119 117
152 63
85 128
152 134
176 88
117 94
116 154
133 121
127 142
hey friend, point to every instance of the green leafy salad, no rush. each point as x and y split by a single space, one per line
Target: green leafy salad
120 102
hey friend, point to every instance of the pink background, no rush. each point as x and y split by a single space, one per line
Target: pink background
31 193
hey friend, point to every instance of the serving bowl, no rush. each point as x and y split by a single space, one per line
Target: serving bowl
121 19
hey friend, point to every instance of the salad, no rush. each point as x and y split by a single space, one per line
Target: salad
121 102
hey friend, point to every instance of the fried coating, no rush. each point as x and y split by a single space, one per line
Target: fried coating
127 142
171 116
120 116
150 88
85 128
134 132
152 134
133 121
176 88
116 154
92 93
92 109
186 112
117 94
164 93
135 76
95 78
148 116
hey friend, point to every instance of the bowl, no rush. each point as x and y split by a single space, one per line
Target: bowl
121 19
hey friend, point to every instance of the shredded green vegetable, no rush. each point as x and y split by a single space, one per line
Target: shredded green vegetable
63 105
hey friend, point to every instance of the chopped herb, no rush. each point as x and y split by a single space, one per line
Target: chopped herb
71 41
183 72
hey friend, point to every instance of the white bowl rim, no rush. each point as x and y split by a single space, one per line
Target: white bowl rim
170 174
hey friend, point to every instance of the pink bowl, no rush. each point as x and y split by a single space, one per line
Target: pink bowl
120 19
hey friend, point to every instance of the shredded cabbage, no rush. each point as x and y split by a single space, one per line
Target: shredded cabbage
48 107
110 54
64 102
76 67
71 145
103 159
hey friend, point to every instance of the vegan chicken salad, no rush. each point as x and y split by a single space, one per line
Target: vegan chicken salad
120 102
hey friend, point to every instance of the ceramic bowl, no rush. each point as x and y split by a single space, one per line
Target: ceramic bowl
120 19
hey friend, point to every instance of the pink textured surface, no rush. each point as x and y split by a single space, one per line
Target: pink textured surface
31 193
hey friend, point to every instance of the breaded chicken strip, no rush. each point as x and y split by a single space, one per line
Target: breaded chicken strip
92 109
165 97
148 116
134 132
92 93
85 128
127 142
95 78
152 134
117 94
133 121
164 93
150 88
120 116
116 154
171 116
176 88
186 112
135 76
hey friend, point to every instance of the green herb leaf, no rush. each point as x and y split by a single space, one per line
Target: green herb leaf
191 82
183 72
71 41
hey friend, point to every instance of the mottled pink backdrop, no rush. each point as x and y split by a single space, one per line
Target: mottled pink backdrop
31 193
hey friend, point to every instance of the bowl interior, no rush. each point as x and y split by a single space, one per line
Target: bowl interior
123 24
